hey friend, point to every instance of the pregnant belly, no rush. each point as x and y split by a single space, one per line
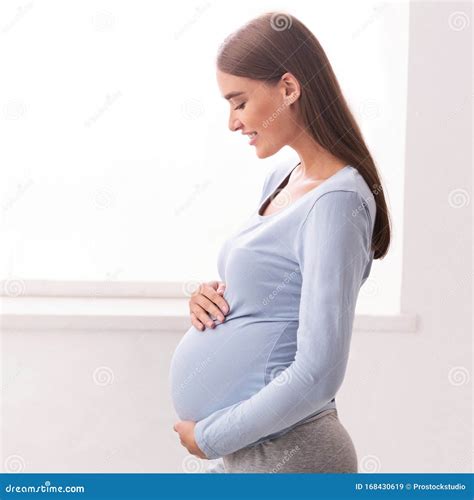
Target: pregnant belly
215 368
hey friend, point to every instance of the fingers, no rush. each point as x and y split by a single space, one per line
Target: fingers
215 298
207 301
209 306
198 324
201 316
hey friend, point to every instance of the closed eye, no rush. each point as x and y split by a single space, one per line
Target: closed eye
242 106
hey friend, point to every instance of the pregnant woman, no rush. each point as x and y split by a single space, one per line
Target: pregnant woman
254 379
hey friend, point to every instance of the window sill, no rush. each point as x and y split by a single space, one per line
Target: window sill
35 313
44 305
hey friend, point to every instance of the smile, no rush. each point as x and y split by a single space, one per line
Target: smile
253 138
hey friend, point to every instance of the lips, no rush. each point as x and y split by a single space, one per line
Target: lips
253 138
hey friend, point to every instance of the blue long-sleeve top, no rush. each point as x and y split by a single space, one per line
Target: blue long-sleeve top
292 281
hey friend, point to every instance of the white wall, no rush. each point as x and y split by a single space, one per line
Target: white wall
115 134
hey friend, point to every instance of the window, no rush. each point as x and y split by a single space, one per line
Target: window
117 162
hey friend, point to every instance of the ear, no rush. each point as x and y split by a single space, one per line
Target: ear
290 87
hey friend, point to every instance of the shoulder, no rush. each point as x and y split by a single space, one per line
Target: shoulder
336 227
344 194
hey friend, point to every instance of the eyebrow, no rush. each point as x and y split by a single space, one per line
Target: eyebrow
230 95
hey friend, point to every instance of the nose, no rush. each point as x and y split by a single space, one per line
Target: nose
234 124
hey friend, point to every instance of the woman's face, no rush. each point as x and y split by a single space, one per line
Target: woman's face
256 106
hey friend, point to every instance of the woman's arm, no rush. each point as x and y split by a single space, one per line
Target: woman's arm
333 248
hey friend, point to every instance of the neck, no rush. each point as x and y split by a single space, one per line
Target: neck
316 162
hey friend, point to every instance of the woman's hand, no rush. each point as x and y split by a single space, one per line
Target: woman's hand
185 429
208 299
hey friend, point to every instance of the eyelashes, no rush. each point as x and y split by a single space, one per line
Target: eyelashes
242 106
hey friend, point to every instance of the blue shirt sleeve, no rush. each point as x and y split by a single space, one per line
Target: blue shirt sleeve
333 249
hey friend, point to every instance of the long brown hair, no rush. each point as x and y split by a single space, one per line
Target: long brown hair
275 43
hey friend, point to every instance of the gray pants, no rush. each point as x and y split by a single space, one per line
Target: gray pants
321 445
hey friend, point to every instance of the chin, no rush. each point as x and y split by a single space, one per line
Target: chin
262 154
265 152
